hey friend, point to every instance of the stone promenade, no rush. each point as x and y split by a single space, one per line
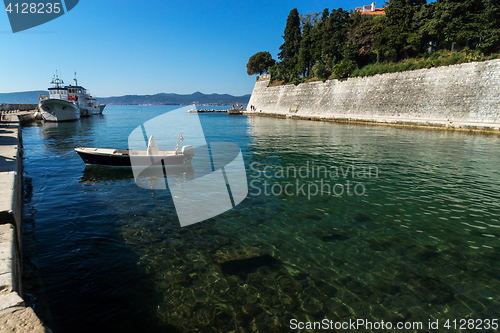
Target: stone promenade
14 315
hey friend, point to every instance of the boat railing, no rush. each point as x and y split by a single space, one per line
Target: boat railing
176 150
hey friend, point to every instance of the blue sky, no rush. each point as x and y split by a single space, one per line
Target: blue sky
148 47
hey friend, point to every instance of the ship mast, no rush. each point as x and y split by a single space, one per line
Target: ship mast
58 83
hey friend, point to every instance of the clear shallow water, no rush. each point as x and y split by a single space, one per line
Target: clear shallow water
421 243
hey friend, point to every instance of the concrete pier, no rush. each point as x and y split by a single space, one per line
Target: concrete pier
205 111
18 107
14 315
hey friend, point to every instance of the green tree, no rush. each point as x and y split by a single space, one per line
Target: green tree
458 19
289 51
394 40
343 68
334 37
312 18
305 57
341 42
364 31
320 71
427 32
259 63
471 23
490 36
317 36
292 36
277 72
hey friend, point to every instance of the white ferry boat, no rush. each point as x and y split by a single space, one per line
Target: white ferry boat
67 103
56 107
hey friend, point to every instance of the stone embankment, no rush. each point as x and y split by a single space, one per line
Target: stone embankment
463 97
232 111
18 107
14 315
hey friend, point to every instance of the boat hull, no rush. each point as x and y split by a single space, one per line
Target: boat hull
90 157
90 111
57 110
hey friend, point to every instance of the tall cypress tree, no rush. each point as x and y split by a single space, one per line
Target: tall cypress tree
289 51
305 58
335 36
317 37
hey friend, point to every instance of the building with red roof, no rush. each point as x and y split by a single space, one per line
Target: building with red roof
370 10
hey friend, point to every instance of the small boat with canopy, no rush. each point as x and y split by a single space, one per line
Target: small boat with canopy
128 157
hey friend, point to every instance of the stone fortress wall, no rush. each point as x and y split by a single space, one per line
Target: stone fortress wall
464 96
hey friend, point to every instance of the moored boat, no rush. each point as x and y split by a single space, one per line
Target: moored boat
87 104
56 107
128 157
67 103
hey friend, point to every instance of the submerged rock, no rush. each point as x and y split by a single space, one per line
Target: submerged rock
331 235
243 261
378 245
362 218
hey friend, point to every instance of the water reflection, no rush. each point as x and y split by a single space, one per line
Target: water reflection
100 173
69 135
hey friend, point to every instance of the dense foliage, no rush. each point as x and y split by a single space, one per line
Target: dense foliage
259 63
412 34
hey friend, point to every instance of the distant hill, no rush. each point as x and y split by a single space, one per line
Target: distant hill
176 99
25 97
31 97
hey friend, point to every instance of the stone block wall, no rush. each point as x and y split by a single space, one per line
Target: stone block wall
463 96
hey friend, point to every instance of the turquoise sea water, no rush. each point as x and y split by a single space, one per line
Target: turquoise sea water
358 222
